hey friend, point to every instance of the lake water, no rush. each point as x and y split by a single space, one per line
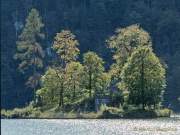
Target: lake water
168 126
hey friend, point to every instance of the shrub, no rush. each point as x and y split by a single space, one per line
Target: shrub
25 112
163 112
138 113
110 112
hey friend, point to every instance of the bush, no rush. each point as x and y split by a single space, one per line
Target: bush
26 112
84 104
110 112
91 115
5 113
163 112
139 113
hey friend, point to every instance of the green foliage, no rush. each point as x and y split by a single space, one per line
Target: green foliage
25 112
137 72
53 80
160 18
143 77
50 83
126 40
110 112
163 112
102 84
74 76
94 69
139 113
30 53
93 63
65 46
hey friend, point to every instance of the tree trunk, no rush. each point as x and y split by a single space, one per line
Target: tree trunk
90 84
34 72
61 98
142 83
74 91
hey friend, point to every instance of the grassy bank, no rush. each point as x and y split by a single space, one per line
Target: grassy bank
103 113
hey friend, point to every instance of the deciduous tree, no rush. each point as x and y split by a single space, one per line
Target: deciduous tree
75 73
124 42
94 68
143 77
65 46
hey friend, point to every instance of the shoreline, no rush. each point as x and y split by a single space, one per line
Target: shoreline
30 112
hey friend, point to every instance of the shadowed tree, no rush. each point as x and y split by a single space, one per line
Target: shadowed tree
30 53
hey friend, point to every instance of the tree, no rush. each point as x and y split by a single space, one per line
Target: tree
124 42
50 83
94 68
30 53
102 84
75 73
65 46
143 77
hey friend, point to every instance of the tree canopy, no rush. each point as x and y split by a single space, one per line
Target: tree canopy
143 77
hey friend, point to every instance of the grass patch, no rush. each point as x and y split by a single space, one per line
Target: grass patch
110 112
139 113
26 112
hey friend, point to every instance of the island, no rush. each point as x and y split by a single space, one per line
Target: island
76 85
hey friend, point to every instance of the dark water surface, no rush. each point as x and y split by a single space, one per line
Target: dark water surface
167 126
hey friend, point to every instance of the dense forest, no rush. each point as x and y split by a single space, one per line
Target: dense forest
92 22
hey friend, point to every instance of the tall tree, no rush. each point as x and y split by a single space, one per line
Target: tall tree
124 42
143 77
75 73
102 84
30 53
94 68
65 46
48 92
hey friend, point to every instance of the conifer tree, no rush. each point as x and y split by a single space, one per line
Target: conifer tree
143 77
94 68
30 53
75 73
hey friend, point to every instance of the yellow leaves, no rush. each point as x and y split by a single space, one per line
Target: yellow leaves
126 40
74 74
93 63
65 46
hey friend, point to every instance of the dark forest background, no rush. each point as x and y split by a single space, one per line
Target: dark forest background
92 21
